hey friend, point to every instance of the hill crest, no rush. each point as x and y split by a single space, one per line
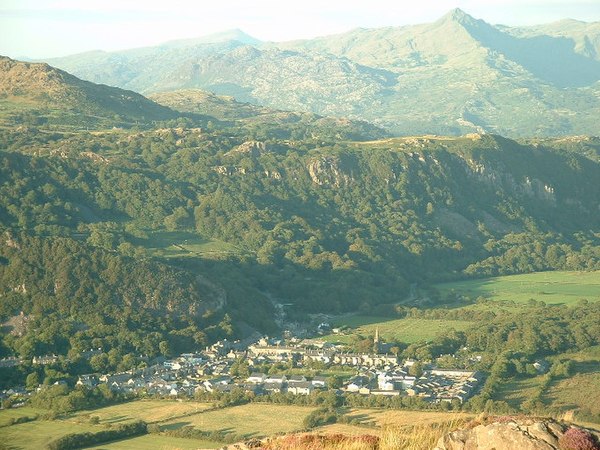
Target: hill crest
40 86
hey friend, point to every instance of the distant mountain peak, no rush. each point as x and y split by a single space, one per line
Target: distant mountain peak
224 36
236 34
457 15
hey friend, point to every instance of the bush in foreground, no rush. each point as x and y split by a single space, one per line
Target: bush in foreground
578 439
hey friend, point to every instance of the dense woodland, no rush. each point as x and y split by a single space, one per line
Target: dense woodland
322 224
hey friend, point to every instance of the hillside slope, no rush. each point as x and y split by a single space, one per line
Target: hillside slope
261 122
327 226
44 90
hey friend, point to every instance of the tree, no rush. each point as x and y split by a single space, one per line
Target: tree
416 370
335 382
32 381
165 348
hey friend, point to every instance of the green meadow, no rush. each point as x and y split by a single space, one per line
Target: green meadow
553 288
405 330
178 244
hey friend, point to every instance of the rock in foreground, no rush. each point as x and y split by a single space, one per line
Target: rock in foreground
510 433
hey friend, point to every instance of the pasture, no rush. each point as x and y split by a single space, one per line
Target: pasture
553 288
37 434
404 330
178 244
158 442
250 420
147 410
7 416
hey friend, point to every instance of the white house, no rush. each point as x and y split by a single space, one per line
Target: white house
256 378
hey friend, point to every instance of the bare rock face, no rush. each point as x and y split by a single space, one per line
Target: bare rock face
253 148
519 434
327 171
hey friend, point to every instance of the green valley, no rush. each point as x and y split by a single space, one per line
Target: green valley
383 233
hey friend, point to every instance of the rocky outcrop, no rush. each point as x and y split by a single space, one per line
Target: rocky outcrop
500 177
253 148
510 433
327 171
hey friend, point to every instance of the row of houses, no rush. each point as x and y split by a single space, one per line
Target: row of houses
433 385
44 360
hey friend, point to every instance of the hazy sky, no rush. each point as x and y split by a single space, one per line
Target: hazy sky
39 29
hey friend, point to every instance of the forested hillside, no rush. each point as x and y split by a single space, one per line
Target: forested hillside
327 227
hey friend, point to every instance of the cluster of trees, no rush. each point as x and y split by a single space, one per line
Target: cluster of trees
75 297
320 417
78 440
191 432
61 399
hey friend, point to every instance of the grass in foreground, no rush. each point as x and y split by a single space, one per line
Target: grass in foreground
8 415
147 410
36 435
399 418
404 330
418 437
158 442
251 420
557 287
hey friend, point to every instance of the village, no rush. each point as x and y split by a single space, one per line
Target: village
211 370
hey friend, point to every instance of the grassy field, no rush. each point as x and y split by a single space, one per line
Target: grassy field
178 244
253 419
551 287
147 410
582 390
404 330
382 418
36 435
516 391
158 442
16 413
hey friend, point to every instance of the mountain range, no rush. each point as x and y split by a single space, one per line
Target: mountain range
456 75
